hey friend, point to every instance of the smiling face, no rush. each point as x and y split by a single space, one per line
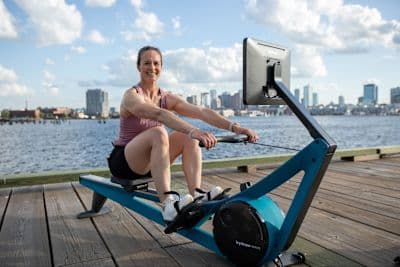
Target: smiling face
150 66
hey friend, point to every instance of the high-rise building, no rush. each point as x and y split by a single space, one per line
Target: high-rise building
370 94
226 100
237 101
395 95
297 94
97 103
214 99
192 99
341 100
205 100
306 95
315 99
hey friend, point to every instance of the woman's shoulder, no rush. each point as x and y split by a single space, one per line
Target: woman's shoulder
132 91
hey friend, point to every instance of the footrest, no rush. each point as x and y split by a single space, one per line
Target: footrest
133 185
188 217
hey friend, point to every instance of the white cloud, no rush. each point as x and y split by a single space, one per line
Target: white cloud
9 85
137 4
7 25
49 61
78 49
96 37
176 24
55 21
146 25
48 83
307 62
186 70
329 24
100 3
204 65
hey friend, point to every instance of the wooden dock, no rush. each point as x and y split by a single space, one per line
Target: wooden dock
354 220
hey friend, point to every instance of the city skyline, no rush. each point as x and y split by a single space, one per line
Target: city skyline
50 54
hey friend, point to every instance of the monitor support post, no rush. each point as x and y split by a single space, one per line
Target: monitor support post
317 133
298 109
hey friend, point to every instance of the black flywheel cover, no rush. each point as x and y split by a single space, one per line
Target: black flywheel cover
240 233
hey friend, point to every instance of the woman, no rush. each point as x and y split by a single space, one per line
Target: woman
144 147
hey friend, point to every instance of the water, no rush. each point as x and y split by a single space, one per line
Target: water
81 144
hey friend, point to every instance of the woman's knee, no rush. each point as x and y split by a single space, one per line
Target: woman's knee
160 136
188 142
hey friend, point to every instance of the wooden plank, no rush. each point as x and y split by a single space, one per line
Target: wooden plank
384 217
128 241
23 237
358 195
317 255
361 158
385 161
354 168
73 241
381 167
4 197
381 182
157 232
360 215
384 207
359 242
191 254
95 263
389 150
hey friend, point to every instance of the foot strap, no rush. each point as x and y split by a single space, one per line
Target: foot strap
187 217
220 196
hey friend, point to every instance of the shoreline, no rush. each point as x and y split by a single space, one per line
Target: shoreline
247 164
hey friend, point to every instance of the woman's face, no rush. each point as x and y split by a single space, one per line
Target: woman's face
150 66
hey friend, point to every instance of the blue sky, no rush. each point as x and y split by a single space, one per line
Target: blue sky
52 51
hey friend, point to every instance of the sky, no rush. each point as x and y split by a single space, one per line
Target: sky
52 51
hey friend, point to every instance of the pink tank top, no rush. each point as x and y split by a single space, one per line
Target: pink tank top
131 126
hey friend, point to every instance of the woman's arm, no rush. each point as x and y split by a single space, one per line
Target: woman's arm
207 115
134 104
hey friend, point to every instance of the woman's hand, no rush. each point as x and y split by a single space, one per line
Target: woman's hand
208 139
252 135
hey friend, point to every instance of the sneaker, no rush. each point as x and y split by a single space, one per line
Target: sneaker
210 195
174 203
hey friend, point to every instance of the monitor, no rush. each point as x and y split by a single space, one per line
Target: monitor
263 63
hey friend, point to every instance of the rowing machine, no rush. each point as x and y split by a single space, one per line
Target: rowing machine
249 228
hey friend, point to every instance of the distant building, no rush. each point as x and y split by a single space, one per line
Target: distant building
395 95
341 100
306 95
24 114
205 100
370 94
97 103
192 99
237 101
226 101
297 94
214 99
315 99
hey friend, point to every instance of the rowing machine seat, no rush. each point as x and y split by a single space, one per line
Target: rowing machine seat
133 185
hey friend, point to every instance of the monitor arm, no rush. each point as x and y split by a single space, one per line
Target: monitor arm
298 109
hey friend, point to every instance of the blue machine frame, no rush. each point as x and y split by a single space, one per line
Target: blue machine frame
312 160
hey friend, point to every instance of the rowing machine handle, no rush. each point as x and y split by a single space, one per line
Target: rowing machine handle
236 138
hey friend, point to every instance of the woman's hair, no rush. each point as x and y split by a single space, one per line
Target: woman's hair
147 48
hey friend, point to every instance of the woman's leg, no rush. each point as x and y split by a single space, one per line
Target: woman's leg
150 151
182 144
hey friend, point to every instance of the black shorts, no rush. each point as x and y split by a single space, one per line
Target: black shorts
119 166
